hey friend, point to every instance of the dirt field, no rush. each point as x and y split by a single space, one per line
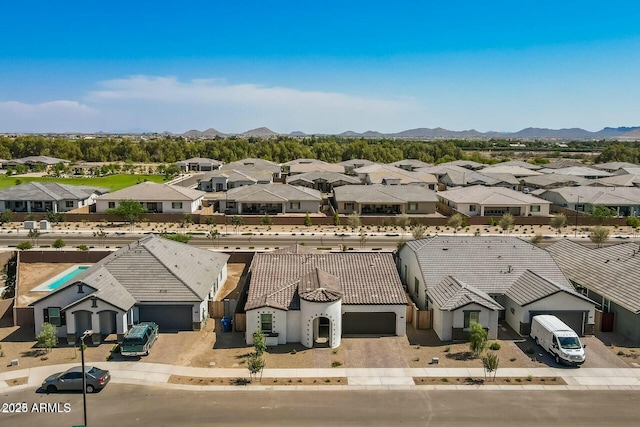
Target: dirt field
31 275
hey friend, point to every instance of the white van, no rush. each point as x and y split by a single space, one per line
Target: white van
557 338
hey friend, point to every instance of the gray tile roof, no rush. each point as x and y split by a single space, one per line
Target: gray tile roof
263 193
451 294
553 179
152 192
609 196
612 271
43 160
496 196
379 193
365 278
490 264
578 171
330 177
153 269
531 287
199 160
49 191
253 163
312 165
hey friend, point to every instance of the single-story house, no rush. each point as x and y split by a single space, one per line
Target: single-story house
300 166
223 180
488 280
385 199
353 164
391 175
410 164
610 276
48 197
32 161
518 163
625 201
271 199
460 177
322 181
198 164
316 298
479 200
153 279
552 180
256 164
614 167
515 170
155 198
581 171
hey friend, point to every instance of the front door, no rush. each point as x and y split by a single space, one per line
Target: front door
323 332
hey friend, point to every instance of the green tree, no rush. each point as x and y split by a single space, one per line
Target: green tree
418 231
129 210
24 246
307 220
237 221
47 338
59 244
214 235
83 248
177 237
403 221
34 235
455 221
266 220
477 338
490 363
599 234
506 222
255 364
54 217
558 222
336 218
259 343
601 214
6 216
101 236
354 220
536 238
634 223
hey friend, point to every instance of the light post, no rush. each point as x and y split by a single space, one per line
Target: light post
576 227
226 209
86 334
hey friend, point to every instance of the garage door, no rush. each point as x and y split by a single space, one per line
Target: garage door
573 319
369 323
168 317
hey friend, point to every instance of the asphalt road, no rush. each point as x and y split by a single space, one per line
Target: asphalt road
129 405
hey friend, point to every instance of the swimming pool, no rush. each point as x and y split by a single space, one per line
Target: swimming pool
60 279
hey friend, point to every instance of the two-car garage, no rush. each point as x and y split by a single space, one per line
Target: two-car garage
369 323
574 319
172 317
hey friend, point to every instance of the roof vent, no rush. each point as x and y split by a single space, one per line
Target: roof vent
445 249
163 291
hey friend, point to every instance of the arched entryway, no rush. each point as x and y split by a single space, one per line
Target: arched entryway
107 323
322 332
82 321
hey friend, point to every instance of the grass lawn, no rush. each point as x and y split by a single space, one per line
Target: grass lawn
112 182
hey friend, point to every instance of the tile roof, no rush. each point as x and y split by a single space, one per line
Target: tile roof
552 179
49 191
330 177
240 174
451 294
518 171
610 196
379 193
482 195
319 286
612 271
578 171
531 287
151 191
365 278
262 193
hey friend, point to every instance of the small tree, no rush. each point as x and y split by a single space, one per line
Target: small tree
363 239
6 216
336 218
129 210
47 338
83 248
418 231
214 235
266 220
307 220
255 364
54 217
24 246
558 222
601 214
536 238
490 363
354 220
634 223
34 235
506 222
403 222
101 236
455 222
237 221
599 235
59 244
259 343
477 338
177 237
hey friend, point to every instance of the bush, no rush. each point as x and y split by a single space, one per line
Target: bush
336 364
494 346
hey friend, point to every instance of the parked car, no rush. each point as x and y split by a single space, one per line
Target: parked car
557 338
139 339
71 379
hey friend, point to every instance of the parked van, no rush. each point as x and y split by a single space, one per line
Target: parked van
557 338
139 339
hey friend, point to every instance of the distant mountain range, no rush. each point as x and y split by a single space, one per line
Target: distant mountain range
622 133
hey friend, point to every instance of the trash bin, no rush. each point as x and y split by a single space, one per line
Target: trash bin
226 324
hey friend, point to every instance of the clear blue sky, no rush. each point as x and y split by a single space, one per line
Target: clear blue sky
318 66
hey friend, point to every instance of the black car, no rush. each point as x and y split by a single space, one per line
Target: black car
72 380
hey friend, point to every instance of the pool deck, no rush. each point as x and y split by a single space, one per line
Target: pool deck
34 274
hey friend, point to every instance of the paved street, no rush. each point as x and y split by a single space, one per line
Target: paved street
140 405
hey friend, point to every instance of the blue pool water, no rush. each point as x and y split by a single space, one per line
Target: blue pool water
62 278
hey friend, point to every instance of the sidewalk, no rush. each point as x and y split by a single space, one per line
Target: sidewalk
357 379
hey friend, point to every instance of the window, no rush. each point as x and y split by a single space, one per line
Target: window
416 286
176 205
471 316
68 204
54 316
413 206
112 205
80 288
472 208
294 205
266 323
535 208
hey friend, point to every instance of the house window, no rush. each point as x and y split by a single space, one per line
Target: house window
176 205
471 316
94 302
112 205
294 205
535 208
416 286
53 315
81 288
68 204
413 206
472 208
266 323
348 206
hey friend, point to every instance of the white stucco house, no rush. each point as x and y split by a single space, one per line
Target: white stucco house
316 298
153 279
478 200
489 280
155 198
48 197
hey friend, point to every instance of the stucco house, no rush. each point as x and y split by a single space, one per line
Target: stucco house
316 298
385 199
155 198
610 276
322 181
48 197
198 164
153 279
489 280
479 200
625 201
271 199
300 166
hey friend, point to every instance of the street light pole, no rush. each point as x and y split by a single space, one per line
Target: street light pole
576 227
84 375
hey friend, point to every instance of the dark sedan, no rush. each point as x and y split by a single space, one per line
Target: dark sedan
72 380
